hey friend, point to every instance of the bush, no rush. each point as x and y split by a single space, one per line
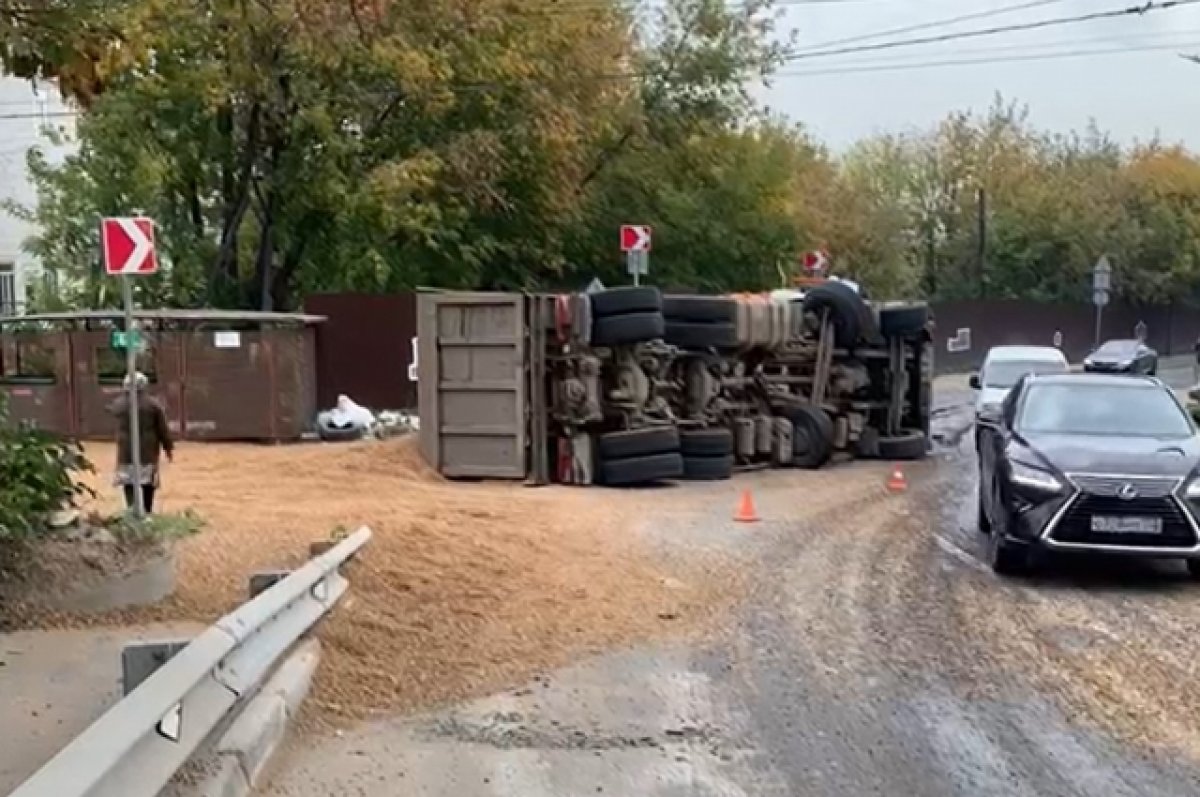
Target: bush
38 476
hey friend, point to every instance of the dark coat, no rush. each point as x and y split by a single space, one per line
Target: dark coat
154 433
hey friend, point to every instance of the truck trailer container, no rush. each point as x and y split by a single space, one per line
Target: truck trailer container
627 385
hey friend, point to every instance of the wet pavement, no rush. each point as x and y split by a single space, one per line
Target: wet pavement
875 654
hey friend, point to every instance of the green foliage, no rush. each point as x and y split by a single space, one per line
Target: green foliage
302 146
164 527
38 476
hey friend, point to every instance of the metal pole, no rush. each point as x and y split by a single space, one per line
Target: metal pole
135 436
1099 317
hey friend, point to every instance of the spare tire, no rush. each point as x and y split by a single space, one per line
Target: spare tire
847 311
706 442
638 442
910 444
812 437
691 335
705 309
617 330
641 470
617 301
903 321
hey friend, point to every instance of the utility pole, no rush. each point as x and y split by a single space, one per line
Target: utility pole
981 242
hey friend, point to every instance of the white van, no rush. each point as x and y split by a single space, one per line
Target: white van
1004 365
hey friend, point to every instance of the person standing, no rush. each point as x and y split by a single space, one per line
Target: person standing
154 440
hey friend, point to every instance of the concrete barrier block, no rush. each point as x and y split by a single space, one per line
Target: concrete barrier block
225 779
255 734
293 680
260 728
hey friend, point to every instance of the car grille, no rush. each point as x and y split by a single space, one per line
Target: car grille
1110 486
1076 523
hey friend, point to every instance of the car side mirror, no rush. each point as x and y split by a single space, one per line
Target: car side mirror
974 382
991 414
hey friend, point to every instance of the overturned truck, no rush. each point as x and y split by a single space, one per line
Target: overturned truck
628 386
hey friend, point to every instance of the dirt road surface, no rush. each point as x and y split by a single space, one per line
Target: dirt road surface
872 653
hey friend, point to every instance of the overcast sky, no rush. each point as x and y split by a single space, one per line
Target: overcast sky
1132 92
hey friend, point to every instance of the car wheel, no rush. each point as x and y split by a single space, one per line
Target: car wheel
812 437
638 442
982 522
706 442
1005 558
708 469
619 301
700 309
1193 567
697 335
846 309
628 328
910 444
641 470
903 321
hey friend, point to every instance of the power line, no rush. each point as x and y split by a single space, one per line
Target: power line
973 34
937 23
902 67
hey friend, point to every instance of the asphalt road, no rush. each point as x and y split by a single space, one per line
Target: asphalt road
875 655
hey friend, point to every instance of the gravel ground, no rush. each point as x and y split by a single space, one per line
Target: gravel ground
871 653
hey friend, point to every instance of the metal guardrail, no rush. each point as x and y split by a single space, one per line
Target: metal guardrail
135 748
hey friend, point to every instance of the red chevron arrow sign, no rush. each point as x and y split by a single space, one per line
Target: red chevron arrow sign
128 245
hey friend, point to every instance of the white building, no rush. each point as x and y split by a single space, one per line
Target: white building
26 112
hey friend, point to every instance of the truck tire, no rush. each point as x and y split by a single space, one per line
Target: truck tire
846 308
617 330
910 444
641 470
708 469
703 309
638 442
812 437
706 443
692 335
619 301
904 321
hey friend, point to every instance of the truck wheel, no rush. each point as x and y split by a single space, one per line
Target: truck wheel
812 437
903 321
846 308
706 443
691 335
708 469
908 445
638 442
704 309
641 470
619 301
617 330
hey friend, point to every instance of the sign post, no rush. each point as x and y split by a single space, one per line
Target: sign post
128 248
1101 285
635 243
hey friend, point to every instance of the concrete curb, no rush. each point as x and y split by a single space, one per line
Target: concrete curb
243 753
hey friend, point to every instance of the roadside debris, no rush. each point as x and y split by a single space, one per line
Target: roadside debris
349 420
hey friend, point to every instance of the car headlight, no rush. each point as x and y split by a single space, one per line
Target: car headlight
1193 490
1089 362
1034 478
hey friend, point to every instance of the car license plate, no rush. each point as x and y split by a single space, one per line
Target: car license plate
1126 525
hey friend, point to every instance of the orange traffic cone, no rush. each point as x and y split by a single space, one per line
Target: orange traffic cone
896 483
746 512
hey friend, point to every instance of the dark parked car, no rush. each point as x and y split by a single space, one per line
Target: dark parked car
1122 357
1085 462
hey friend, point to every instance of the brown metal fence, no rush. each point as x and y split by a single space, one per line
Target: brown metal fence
221 376
966 330
366 348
